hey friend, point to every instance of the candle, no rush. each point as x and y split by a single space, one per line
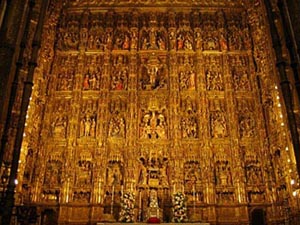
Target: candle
99 192
140 206
112 194
194 196
112 200
140 200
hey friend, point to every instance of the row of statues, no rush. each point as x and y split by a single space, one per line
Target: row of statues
153 73
153 125
156 78
206 32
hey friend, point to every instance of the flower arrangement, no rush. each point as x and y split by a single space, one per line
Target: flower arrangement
127 208
179 207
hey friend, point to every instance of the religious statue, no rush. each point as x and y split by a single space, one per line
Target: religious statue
143 175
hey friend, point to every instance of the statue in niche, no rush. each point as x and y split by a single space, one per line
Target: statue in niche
189 127
223 173
253 175
85 173
90 43
108 41
187 80
93 127
88 126
218 124
91 79
65 80
53 173
116 126
240 80
214 80
119 80
152 72
145 43
143 174
188 123
225 197
60 126
81 196
122 41
114 176
188 42
145 126
192 174
163 176
235 39
153 76
172 40
152 38
183 80
161 126
96 37
191 81
126 42
86 82
134 40
180 42
72 36
198 40
246 125
223 42
153 125
161 43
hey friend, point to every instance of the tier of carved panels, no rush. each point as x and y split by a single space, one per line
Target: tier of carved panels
158 3
151 100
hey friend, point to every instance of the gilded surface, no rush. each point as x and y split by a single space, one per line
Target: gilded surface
163 101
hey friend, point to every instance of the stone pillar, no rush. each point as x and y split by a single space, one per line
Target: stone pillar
10 37
284 82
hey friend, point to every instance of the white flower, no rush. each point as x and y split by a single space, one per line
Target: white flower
127 207
179 209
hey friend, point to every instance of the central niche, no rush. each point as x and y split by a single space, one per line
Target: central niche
153 123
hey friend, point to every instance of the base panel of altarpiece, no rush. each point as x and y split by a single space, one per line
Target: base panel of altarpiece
153 223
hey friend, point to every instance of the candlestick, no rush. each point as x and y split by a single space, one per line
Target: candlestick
140 206
194 196
112 200
99 192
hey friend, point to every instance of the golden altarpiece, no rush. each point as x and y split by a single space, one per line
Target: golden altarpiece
161 96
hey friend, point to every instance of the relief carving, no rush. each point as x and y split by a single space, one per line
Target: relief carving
218 122
132 94
153 73
189 125
213 74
